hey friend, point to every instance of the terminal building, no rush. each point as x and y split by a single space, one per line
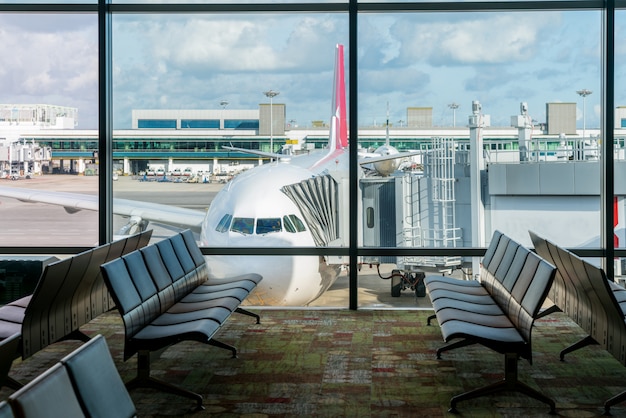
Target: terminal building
41 138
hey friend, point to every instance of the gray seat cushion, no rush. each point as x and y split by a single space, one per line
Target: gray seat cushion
5 410
51 394
97 381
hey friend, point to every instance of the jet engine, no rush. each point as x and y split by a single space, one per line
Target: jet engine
386 167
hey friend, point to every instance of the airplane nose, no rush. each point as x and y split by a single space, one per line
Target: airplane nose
287 280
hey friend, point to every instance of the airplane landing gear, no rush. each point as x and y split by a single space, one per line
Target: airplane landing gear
401 281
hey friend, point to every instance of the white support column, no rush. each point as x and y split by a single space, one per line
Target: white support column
524 126
477 121
80 166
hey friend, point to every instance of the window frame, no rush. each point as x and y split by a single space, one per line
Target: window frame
352 8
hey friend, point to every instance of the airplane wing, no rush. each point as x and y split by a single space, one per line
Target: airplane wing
259 153
366 158
74 202
375 158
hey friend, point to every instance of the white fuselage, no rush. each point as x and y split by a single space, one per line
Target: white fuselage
252 211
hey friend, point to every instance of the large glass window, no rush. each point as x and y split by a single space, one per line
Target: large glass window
227 65
497 116
49 80
501 83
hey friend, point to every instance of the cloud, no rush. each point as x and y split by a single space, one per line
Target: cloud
478 40
50 59
200 60
267 43
409 59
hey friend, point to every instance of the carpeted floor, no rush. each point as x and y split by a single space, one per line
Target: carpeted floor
366 363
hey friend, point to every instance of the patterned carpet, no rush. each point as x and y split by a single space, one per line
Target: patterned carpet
366 363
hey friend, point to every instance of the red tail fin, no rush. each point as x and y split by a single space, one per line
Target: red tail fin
339 123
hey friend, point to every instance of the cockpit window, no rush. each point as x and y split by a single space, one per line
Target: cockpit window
298 223
289 227
243 225
224 223
291 223
267 225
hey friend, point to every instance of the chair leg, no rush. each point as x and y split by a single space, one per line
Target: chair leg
550 310
588 340
430 318
458 344
252 314
220 344
509 384
144 380
621 397
77 335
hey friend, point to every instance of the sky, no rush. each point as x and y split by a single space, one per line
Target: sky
405 60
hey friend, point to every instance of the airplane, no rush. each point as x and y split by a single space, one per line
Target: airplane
383 166
291 201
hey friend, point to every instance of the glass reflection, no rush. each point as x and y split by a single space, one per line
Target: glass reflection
48 130
445 83
219 178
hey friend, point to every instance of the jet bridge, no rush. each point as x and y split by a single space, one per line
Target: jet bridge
416 209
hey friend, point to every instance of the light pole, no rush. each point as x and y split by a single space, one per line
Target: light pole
223 103
584 93
271 94
454 107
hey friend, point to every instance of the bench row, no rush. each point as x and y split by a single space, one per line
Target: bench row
164 296
584 293
68 294
498 311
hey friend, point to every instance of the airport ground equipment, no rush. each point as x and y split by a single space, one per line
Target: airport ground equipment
164 296
595 303
85 383
69 293
497 312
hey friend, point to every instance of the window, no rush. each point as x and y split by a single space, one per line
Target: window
241 124
199 124
297 222
431 62
224 223
289 227
41 129
369 216
156 124
268 225
243 225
